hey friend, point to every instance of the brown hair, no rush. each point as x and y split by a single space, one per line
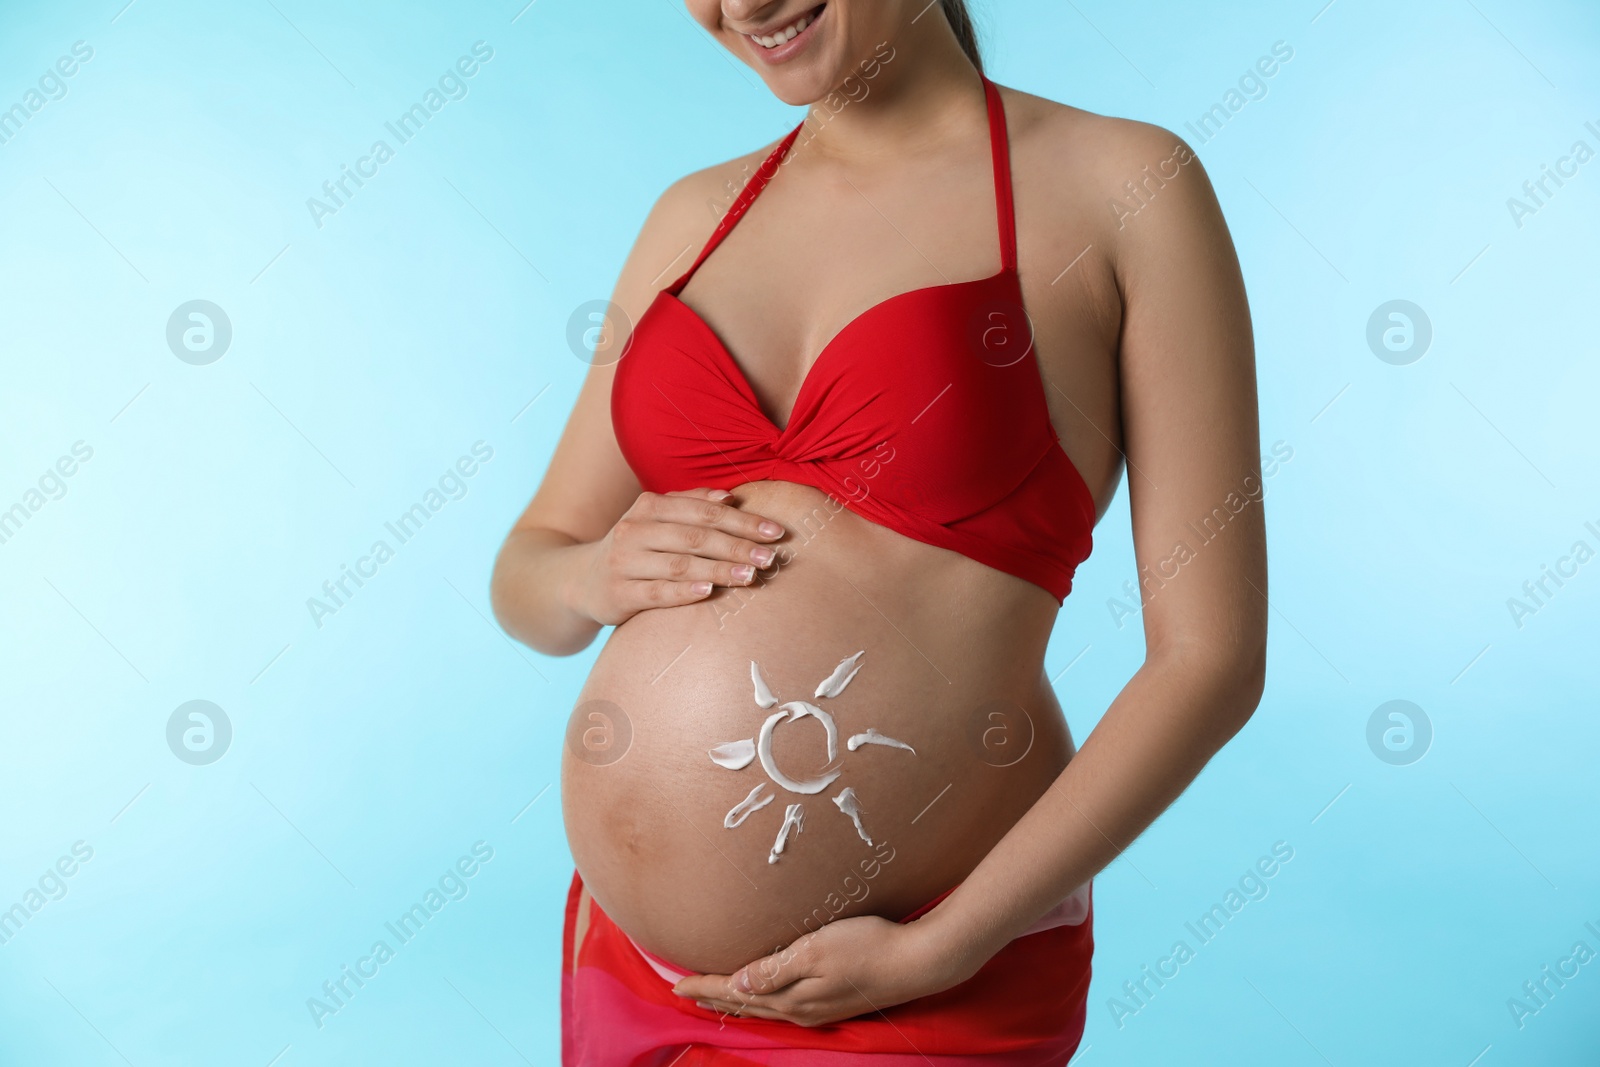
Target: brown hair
966 33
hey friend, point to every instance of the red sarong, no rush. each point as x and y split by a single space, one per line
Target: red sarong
1024 1008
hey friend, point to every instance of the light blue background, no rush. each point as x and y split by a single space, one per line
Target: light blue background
431 311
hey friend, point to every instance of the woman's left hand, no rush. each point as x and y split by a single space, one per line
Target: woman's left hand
847 968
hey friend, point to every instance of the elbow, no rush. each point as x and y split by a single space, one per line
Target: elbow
503 582
1238 675
1251 673
1236 685
500 598
1243 678
520 609
1232 676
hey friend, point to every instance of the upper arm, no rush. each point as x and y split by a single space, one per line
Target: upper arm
1187 363
588 484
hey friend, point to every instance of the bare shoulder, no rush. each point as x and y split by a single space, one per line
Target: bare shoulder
1100 173
1085 140
685 214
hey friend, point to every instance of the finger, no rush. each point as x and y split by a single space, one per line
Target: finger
684 567
803 1002
705 542
758 978
702 986
700 493
800 1005
717 988
653 530
708 511
771 973
743 1010
661 593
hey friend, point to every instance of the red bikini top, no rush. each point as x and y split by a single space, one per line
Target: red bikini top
925 414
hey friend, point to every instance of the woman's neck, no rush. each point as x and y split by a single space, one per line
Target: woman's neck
921 97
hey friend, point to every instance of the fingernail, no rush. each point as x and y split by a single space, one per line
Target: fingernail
720 494
741 982
743 572
700 588
762 556
770 529
703 1004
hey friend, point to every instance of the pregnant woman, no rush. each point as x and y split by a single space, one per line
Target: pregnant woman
829 480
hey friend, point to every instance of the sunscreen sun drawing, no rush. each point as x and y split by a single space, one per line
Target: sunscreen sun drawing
737 755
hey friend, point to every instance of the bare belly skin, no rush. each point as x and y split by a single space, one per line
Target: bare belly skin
952 666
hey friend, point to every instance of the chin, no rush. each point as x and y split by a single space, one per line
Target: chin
802 89
808 67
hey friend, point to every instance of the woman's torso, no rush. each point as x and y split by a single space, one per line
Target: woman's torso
953 649
951 666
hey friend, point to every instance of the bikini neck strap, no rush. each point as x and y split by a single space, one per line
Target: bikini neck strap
999 148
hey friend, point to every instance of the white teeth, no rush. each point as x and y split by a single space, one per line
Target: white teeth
784 35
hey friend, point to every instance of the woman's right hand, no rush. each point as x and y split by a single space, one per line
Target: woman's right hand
670 549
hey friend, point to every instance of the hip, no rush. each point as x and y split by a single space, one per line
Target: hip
1025 1007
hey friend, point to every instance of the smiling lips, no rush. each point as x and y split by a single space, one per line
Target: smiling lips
787 33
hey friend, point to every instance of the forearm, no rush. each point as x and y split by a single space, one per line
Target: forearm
1162 729
531 591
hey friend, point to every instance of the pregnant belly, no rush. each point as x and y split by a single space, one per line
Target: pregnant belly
903 725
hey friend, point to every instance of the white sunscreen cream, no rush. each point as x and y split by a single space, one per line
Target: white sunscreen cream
873 737
764 695
834 684
764 752
793 820
741 811
850 804
799 709
734 755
